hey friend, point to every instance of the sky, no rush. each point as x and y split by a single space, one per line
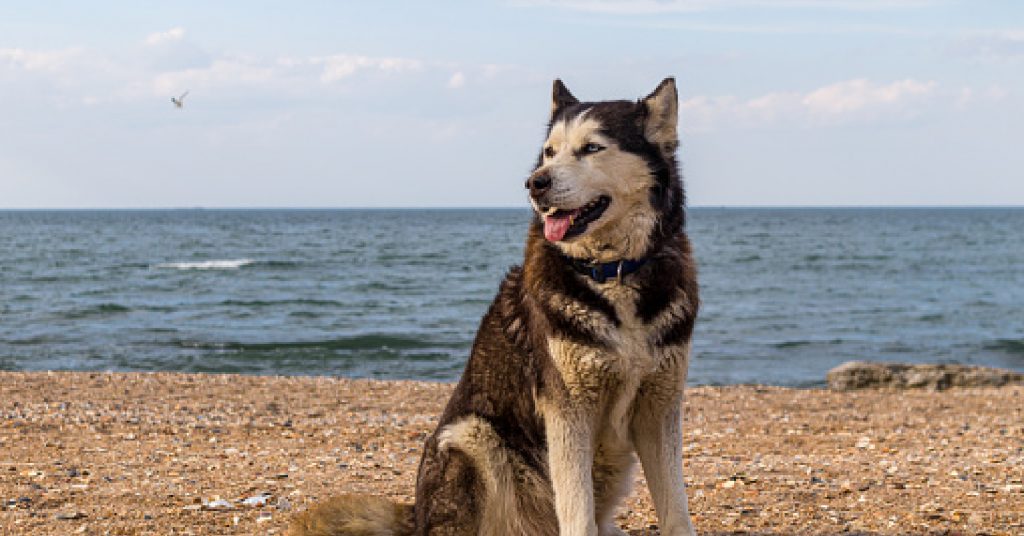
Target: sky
444 104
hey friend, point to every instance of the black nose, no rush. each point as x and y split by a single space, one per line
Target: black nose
538 184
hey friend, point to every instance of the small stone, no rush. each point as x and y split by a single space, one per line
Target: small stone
218 504
256 500
67 516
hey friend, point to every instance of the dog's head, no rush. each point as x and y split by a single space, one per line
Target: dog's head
606 185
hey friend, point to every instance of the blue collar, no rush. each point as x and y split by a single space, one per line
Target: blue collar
604 271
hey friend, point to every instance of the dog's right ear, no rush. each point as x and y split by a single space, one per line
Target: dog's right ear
561 98
661 115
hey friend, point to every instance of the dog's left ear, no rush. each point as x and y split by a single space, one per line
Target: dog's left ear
561 98
661 114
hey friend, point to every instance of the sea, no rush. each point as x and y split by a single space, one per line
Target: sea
787 293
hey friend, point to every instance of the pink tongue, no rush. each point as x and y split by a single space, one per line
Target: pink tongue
555 228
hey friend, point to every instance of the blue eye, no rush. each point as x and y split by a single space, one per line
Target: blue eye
592 148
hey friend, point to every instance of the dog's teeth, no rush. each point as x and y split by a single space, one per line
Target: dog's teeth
551 211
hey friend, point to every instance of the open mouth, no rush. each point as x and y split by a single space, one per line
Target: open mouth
560 224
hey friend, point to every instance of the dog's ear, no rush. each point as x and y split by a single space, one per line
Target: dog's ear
661 114
560 98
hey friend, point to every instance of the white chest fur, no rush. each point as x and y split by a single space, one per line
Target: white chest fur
620 353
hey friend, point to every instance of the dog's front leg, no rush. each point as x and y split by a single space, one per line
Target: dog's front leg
657 436
570 460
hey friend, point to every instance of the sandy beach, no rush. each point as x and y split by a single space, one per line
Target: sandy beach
102 453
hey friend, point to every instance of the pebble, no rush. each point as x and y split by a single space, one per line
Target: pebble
256 500
218 504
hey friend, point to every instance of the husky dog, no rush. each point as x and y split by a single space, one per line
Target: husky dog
578 366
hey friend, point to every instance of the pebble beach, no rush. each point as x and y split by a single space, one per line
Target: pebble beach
169 453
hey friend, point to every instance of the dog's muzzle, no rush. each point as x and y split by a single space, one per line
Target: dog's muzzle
538 184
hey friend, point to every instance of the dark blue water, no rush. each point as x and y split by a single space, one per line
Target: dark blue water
787 293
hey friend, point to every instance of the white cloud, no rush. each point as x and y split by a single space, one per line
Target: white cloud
283 76
850 101
344 65
854 96
224 72
63 77
167 65
969 95
457 80
992 46
39 60
158 38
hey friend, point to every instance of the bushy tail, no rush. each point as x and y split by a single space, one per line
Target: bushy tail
354 515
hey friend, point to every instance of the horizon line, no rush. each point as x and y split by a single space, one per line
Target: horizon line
484 207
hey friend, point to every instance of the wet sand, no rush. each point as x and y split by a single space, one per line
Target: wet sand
101 453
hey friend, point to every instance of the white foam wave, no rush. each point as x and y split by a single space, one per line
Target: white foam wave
228 264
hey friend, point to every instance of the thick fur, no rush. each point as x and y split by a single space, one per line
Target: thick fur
354 515
569 380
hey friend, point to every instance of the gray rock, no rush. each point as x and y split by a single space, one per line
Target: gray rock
256 500
864 375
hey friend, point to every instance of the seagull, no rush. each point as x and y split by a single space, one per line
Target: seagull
180 101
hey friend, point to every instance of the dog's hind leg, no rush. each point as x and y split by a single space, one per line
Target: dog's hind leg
517 499
448 493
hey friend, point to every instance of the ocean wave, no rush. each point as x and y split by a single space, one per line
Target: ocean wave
94 310
274 303
1009 346
227 264
355 342
279 264
804 342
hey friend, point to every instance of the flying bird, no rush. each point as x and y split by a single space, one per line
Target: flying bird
179 101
